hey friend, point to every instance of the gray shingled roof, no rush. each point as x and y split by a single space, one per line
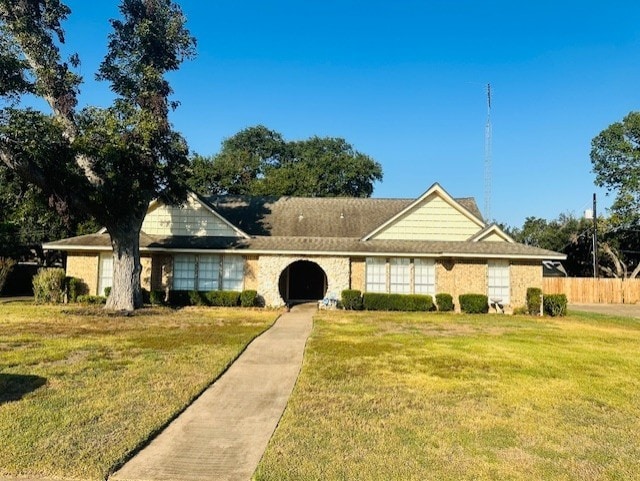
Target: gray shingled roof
313 216
316 245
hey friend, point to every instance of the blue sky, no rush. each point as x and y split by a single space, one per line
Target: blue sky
405 82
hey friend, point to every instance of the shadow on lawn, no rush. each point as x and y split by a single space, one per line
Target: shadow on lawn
14 386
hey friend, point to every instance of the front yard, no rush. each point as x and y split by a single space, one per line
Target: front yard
80 389
386 396
381 396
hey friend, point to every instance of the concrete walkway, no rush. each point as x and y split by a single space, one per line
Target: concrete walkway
224 433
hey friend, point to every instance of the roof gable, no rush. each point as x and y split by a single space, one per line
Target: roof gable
194 218
435 215
491 233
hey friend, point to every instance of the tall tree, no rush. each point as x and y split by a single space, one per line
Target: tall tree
258 161
106 162
615 156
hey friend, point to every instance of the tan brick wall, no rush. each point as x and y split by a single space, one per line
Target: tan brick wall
358 273
84 266
251 270
461 276
524 275
146 273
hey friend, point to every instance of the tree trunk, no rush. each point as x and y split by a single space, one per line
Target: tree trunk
126 292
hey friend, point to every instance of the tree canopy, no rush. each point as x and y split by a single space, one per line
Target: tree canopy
258 161
615 156
107 163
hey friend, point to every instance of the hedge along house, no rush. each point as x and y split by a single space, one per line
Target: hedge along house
293 249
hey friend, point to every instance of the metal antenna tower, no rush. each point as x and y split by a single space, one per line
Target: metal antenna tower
487 159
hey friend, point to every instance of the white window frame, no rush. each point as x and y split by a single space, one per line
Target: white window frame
232 273
208 276
105 272
184 272
400 275
376 274
424 275
499 281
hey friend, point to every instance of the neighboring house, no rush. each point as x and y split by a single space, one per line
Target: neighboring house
291 248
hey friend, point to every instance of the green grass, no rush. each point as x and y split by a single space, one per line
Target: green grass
386 396
81 389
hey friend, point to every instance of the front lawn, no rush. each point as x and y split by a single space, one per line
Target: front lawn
80 388
386 396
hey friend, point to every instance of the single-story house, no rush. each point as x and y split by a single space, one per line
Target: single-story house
293 248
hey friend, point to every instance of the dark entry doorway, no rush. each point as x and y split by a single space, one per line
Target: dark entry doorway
303 281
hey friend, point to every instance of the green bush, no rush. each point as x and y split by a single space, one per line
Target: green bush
474 303
249 298
444 302
75 288
197 298
555 304
48 285
6 266
107 291
88 299
351 299
156 298
374 301
222 298
534 300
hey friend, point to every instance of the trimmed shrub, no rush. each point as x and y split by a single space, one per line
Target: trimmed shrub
249 298
75 288
555 304
444 302
156 298
107 291
6 266
351 299
93 300
534 300
474 303
197 298
222 298
374 301
48 286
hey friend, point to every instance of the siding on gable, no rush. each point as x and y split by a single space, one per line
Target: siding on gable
493 238
435 219
191 219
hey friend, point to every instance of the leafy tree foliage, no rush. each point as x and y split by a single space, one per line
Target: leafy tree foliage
27 220
106 163
258 161
618 248
615 156
566 234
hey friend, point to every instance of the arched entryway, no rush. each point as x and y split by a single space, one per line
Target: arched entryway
302 281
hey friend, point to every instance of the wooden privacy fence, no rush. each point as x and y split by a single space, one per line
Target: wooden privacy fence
587 290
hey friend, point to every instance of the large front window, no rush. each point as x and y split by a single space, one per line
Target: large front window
208 273
499 283
401 275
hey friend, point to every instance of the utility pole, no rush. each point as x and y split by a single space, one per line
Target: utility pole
595 239
487 159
